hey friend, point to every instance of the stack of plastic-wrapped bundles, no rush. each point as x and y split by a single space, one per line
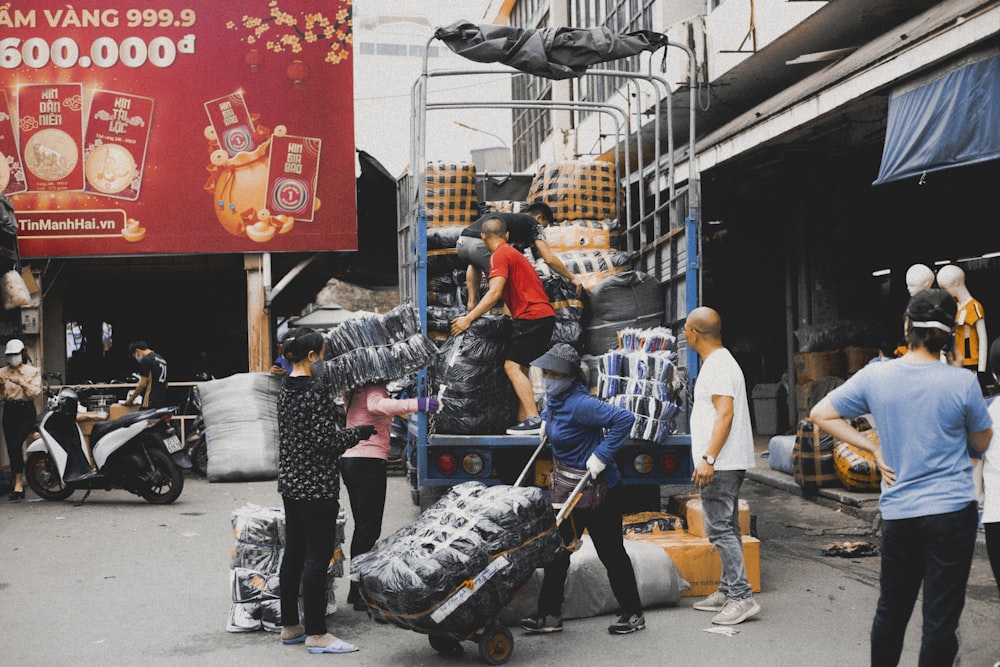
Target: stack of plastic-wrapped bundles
462 561
377 348
478 397
641 376
256 562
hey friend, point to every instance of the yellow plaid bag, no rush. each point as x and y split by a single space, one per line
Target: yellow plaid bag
450 194
856 468
577 190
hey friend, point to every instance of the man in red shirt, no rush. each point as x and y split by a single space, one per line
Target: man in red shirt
513 278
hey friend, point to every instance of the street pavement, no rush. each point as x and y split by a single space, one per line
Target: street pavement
120 582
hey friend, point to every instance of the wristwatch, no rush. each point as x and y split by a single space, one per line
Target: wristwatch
709 459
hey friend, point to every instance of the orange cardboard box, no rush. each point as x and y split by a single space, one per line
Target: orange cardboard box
116 410
695 515
698 561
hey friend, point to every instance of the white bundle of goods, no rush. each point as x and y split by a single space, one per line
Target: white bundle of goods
256 564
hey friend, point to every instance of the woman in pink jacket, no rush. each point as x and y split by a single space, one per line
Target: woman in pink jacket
363 467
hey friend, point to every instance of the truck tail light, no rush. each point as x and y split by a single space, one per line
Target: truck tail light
472 463
642 464
447 464
668 463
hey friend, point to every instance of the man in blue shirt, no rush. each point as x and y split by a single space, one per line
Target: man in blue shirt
927 414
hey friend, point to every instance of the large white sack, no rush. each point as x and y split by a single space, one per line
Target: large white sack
588 592
241 427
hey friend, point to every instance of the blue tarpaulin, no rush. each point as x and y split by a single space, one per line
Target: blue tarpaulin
949 122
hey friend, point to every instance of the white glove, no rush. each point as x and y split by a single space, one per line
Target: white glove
595 466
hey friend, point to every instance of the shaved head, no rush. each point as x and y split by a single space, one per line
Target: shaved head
494 227
706 321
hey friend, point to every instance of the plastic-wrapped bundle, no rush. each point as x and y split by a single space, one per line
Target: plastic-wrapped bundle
651 522
653 339
397 325
579 235
629 299
479 399
439 318
494 537
256 563
442 261
445 290
439 238
590 266
655 418
502 206
568 307
380 363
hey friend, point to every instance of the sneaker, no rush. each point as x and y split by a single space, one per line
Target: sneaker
539 624
530 426
736 611
627 623
714 602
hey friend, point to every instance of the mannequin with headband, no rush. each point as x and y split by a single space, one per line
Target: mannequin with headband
970 321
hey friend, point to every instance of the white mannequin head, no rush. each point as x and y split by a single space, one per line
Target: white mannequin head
919 277
952 280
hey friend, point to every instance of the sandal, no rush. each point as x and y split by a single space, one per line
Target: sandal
336 646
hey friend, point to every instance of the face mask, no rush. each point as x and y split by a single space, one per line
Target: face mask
14 360
555 386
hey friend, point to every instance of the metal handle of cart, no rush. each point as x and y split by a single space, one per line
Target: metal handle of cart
572 499
544 440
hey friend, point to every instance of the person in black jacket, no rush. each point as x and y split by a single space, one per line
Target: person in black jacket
310 442
524 230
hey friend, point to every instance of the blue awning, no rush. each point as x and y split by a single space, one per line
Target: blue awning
949 122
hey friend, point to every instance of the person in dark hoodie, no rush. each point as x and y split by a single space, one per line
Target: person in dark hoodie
310 443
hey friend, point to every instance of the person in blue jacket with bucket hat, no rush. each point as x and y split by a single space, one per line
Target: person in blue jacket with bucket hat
585 434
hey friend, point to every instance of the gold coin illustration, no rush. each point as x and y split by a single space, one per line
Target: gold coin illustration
110 168
51 154
4 172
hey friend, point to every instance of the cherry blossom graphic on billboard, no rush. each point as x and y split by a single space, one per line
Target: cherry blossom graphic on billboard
178 127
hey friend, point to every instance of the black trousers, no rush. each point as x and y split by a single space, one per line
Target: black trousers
18 422
604 525
310 536
365 479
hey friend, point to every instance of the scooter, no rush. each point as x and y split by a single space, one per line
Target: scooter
139 452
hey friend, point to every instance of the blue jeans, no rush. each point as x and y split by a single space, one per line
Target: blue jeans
937 551
720 504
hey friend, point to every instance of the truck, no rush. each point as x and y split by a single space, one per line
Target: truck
658 238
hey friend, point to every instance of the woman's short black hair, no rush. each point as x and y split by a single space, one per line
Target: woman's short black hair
298 343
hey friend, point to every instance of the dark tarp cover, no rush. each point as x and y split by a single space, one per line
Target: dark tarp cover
553 53
950 122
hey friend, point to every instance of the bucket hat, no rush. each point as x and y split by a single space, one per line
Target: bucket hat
561 358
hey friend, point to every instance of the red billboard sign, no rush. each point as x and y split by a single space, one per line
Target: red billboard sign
178 127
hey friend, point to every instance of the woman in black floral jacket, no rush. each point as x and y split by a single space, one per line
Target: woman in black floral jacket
309 444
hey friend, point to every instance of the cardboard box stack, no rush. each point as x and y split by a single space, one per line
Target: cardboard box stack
693 554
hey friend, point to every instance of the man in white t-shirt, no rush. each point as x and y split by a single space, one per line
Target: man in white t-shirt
722 449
